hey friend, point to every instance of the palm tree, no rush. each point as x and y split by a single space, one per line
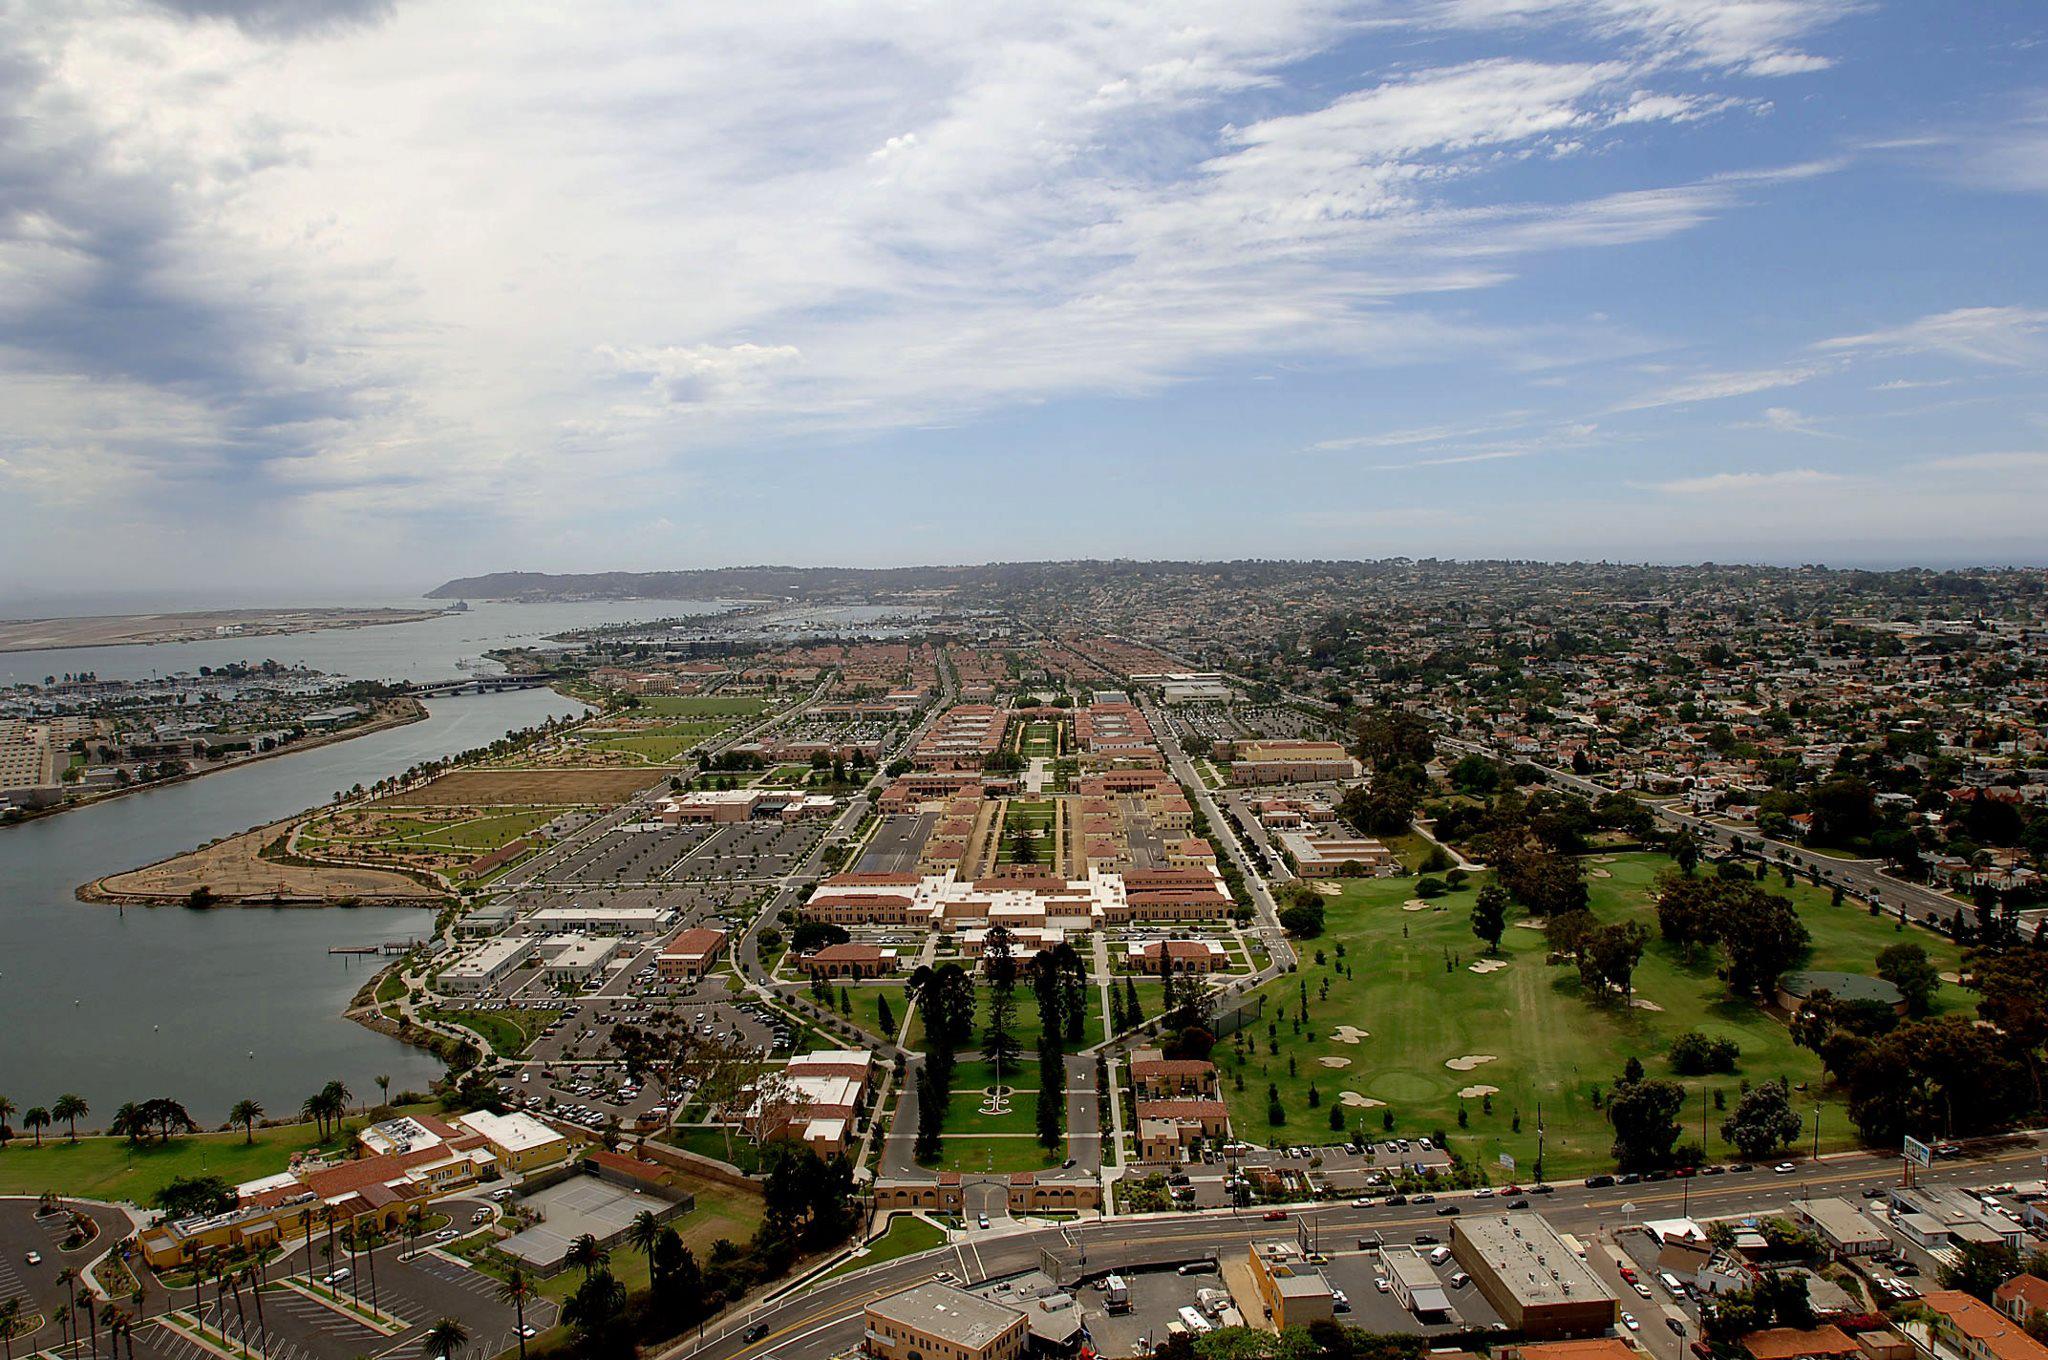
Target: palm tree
254 1276
337 1095
7 1108
643 1232
306 1234
70 1109
38 1119
444 1338
65 1279
84 1303
515 1291
10 1318
246 1113
373 1238
585 1252
383 1090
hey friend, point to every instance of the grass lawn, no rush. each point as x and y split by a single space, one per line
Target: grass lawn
1039 739
906 1236
1027 815
660 745
711 1143
1027 1013
974 1152
1550 1044
109 1168
508 1032
701 706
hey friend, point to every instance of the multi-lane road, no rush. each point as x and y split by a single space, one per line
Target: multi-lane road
822 1319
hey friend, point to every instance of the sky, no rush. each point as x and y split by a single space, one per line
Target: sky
362 294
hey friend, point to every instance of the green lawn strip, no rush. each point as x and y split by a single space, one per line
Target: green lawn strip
1027 1028
906 1236
965 1115
975 1152
707 1142
114 1169
508 1032
701 706
1549 1043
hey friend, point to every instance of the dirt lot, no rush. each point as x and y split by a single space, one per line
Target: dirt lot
233 870
526 788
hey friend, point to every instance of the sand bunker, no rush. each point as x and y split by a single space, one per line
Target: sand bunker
1598 873
1330 889
1485 966
1350 1034
1604 859
1643 1005
1470 1061
1478 1092
1358 1101
1956 978
1334 1062
1529 925
1415 904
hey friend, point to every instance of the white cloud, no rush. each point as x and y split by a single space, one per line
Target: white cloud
1753 36
628 238
2028 462
2008 336
690 375
1718 387
1743 483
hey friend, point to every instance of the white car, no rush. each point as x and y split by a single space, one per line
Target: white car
34 1258
1784 1169
1628 1320
335 1276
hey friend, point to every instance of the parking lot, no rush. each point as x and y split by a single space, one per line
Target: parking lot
572 1074
1157 1296
897 843
23 1231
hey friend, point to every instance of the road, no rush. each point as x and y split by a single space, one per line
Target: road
821 1319
1861 878
1279 952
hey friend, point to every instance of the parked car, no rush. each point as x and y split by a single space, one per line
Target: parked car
34 1258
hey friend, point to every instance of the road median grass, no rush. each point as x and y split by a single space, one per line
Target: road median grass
906 1236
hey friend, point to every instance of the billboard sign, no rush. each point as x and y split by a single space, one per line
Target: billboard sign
1918 1153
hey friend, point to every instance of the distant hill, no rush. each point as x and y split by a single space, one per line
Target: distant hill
827 583
724 583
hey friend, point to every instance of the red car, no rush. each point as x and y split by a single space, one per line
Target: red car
1272 1214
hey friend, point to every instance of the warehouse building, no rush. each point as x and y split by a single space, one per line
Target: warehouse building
1843 1226
485 968
933 1320
1534 1281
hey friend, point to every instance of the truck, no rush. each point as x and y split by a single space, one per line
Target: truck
1117 1295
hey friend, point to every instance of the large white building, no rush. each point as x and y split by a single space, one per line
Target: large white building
597 918
484 969
1035 902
